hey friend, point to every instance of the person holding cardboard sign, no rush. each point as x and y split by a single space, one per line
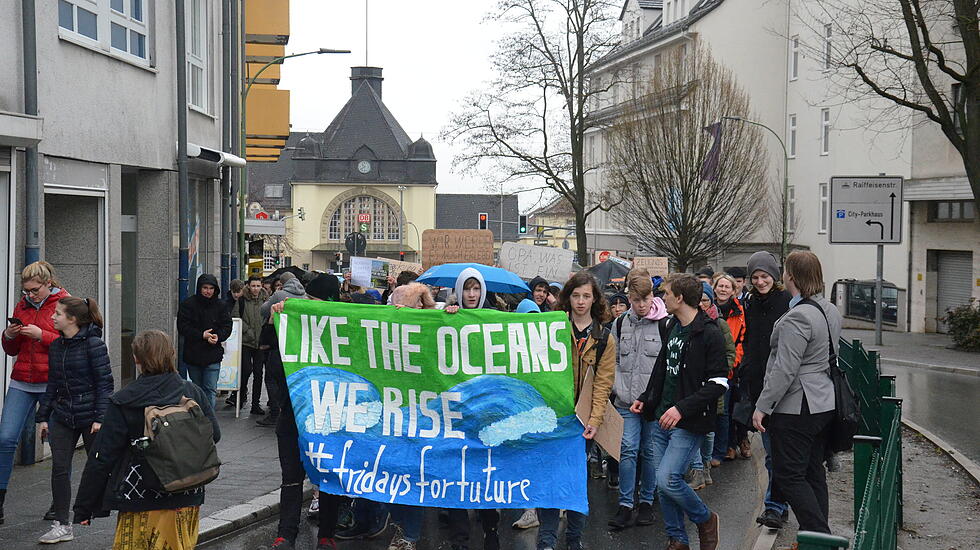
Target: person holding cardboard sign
594 350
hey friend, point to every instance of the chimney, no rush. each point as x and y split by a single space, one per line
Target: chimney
371 74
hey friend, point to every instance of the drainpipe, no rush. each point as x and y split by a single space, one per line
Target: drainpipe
237 57
183 191
32 248
226 43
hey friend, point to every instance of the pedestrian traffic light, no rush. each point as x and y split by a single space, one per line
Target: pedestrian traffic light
522 225
484 218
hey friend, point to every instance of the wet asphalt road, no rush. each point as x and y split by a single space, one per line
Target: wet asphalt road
733 497
944 403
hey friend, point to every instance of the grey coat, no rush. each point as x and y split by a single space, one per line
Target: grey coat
798 362
638 344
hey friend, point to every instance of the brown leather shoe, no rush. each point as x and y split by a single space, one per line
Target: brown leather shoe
715 463
676 545
731 454
708 532
745 448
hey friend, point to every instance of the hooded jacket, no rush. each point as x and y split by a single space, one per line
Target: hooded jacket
703 377
112 479
79 379
31 365
198 314
472 273
250 311
292 288
638 344
535 282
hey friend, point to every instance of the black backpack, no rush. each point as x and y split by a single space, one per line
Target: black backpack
847 412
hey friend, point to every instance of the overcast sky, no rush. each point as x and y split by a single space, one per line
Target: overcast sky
432 51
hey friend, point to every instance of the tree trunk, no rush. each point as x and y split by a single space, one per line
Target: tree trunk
582 239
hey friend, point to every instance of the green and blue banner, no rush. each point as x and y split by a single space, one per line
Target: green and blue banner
422 407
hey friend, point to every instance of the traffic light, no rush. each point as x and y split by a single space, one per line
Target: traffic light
522 224
484 218
401 256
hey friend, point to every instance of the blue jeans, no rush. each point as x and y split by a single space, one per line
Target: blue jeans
17 406
723 427
779 507
674 449
548 531
702 455
206 378
637 440
409 518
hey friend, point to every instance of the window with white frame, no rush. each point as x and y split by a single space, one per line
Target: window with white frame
791 136
269 260
794 58
590 151
197 54
384 219
824 207
791 208
828 43
119 26
824 131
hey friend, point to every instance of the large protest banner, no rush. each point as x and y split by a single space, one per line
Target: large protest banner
422 407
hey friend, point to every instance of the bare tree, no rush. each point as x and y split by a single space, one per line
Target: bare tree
531 120
920 55
686 194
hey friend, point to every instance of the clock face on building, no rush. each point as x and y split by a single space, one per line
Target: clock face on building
364 166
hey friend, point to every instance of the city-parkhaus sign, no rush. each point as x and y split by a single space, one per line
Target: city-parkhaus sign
866 210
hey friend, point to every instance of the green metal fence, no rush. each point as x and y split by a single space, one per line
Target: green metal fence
877 457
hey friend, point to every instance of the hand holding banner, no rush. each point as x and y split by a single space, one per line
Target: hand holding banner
422 407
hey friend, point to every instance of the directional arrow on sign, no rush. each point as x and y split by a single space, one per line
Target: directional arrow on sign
879 224
892 218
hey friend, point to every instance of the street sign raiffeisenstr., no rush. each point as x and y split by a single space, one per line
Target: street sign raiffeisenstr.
866 210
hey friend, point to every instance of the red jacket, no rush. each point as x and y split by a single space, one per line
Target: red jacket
736 323
32 355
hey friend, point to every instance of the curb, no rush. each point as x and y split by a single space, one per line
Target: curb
940 368
236 517
759 537
970 466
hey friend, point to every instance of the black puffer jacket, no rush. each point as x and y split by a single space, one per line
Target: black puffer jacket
198 314
761 313
79 379
112 479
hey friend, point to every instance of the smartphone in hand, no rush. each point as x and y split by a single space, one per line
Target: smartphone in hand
15 321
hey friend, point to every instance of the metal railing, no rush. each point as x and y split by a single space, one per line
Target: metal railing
878 494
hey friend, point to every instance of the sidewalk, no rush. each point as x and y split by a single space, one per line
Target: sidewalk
914 349
941 504
249 470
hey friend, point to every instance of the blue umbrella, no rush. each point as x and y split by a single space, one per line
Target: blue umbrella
497 279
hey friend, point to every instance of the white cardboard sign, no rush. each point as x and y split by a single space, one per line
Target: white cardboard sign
554 264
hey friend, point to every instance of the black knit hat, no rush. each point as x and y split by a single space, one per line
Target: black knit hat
325 287
737 272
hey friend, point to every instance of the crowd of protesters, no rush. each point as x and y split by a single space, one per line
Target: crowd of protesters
692 363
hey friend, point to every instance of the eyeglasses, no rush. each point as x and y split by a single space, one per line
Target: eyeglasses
32 291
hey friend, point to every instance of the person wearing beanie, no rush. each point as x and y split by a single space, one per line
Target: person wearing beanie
375 294
540 292
618 303
324 287
768 301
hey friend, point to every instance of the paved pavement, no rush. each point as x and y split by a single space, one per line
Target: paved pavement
733 497
942 401
250 469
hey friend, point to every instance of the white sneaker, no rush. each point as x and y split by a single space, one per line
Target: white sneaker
58 533
527 520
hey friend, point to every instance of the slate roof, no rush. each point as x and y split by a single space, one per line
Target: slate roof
558 205
364 119
645 4
280 172
657 31
461 211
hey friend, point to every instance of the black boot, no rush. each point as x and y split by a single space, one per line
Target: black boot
3 495
622 519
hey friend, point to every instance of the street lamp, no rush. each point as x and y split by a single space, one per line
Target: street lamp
242 191
785 219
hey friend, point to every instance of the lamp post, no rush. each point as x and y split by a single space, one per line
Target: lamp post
242 191
401 216
785 219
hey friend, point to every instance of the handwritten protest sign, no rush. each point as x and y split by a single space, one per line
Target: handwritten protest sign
397 266
554 264
656 265
421 407
445 246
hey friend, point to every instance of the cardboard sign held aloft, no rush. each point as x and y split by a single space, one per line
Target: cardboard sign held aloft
528 261
656 265
446 246
397 266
